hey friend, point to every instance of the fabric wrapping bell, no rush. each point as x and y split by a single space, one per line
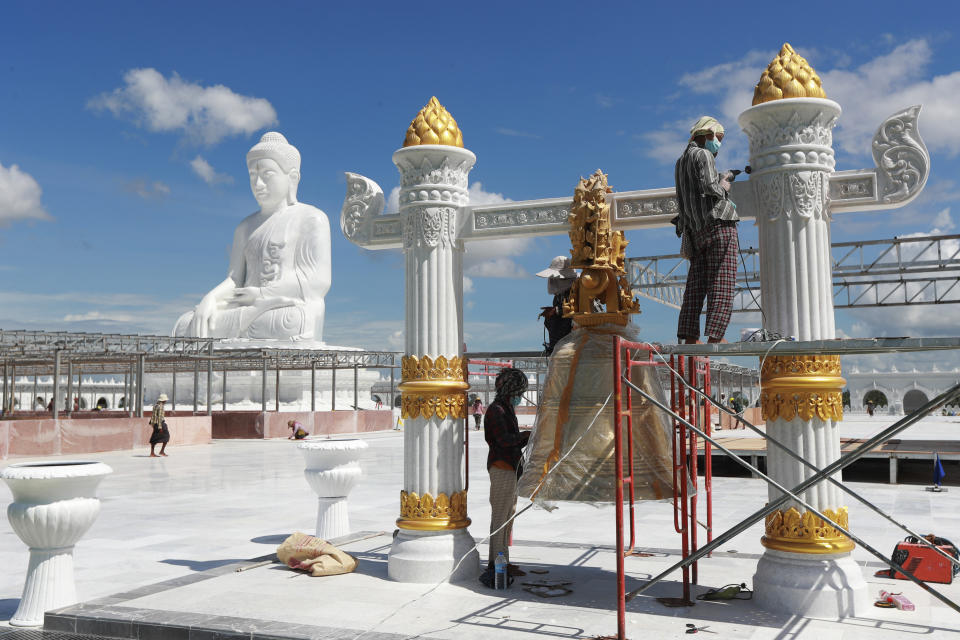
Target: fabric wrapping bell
579 381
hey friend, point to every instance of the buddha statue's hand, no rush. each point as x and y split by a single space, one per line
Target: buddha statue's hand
245 296
205 316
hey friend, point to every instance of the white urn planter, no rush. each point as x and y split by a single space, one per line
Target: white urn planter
54 504
332 470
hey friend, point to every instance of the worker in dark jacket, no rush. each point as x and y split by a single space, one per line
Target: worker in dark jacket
560 277
502 433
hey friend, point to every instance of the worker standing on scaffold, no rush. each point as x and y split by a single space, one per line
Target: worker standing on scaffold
707 225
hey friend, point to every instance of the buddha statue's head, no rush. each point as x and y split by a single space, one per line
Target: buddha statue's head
274 166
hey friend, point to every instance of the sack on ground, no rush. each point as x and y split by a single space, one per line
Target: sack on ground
317 556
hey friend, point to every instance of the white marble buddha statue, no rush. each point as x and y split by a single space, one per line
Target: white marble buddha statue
279 264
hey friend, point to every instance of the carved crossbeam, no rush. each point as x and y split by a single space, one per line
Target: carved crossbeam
902 166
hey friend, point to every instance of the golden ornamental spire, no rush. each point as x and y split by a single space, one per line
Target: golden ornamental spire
434 125
601 293
788 76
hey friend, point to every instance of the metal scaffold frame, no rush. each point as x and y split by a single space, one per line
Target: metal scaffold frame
35 351
696 372
56 353
926 271
687 469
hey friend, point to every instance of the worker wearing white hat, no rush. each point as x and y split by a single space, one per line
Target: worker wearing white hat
560 277
160 435
707 223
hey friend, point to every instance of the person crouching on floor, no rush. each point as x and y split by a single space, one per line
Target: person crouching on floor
298 432
502 433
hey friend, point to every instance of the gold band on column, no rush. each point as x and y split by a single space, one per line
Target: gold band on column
805 386
806 533
426 513
433 387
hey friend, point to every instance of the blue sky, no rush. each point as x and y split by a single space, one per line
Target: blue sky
120 211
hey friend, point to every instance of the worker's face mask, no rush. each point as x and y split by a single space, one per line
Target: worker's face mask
712 145
515 400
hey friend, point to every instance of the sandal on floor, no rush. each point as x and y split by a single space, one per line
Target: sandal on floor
728 592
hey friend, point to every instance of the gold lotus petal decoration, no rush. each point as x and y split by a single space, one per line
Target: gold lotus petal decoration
433 125
806 532
788 76
414 369
429 513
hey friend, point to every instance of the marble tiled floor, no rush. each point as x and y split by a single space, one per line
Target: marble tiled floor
213 505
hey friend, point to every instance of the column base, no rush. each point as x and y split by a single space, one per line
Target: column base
49 585
826 586
430 556
333 519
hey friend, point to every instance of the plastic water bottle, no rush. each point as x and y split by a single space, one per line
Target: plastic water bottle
500 572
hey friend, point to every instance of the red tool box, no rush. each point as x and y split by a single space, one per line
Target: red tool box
925 563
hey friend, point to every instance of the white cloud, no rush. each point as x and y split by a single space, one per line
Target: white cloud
891 82
146 189
204 114
604 101
96 315
497 267
93 311
504 131
206 171
494 258
943 222
666 143
393 201
868 94
467 284
917 320
20 196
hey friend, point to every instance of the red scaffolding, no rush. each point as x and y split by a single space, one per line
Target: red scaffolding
696 372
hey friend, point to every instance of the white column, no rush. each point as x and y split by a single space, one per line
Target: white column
433 513
806 568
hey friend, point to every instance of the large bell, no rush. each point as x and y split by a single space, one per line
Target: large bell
570 456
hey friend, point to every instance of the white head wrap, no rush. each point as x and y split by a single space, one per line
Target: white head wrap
705 125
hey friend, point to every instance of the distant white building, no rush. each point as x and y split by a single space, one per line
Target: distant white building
905 390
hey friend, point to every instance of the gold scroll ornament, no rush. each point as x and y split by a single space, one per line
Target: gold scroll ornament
805 386
806 533
426 513
433 387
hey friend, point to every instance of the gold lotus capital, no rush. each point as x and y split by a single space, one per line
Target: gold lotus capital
433 125
788 76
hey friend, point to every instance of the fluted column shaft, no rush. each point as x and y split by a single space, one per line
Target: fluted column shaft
433 188
791 155
434 381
